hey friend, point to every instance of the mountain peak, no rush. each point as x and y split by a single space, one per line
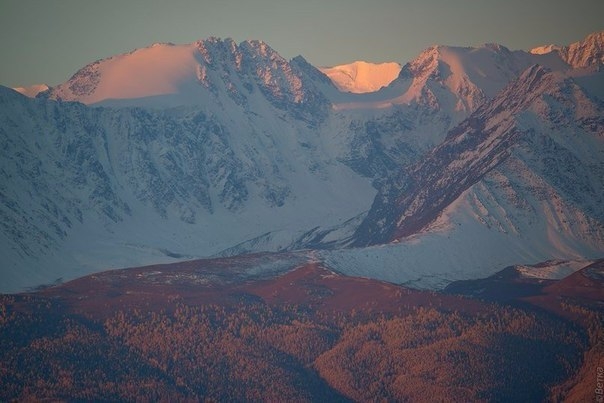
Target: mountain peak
426 61
585 53
189 74
545 49
470 74
257 43
260 48
594 40
496 47
361 76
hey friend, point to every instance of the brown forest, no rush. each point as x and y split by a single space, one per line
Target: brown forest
253 346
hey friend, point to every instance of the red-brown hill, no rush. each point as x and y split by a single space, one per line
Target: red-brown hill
221 329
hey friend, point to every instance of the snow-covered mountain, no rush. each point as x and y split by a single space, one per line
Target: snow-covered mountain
561 110
361 77
394 127
203 73
480 157
501 183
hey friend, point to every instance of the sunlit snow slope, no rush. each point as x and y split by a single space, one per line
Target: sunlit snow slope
360 77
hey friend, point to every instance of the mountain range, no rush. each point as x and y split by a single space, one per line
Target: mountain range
470 160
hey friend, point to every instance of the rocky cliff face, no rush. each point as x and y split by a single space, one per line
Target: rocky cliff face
586 53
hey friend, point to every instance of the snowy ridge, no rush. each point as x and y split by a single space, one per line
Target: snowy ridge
128 75
387 131
586 53
199 74
504 174
471 150
545 49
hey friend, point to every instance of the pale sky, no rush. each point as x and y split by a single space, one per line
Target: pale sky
47 41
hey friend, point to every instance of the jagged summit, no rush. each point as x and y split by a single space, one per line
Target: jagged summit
585 53
470 74
165 74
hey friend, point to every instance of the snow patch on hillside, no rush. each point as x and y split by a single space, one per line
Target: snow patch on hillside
553 269
545 49
32 90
